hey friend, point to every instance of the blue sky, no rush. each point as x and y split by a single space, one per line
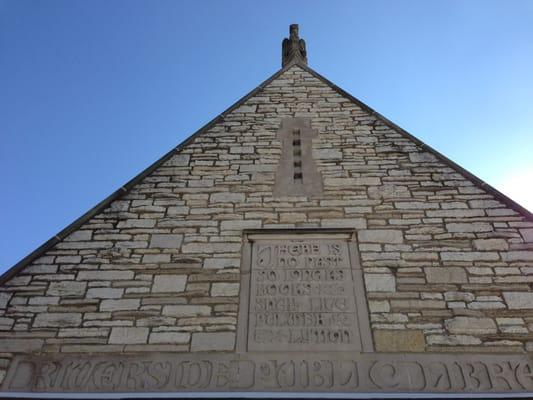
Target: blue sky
92 92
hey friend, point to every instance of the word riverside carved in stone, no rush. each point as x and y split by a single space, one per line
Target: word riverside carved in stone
273 372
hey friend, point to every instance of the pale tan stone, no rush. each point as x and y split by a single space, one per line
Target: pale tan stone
169 283
128 335
446 275
408 341
470 325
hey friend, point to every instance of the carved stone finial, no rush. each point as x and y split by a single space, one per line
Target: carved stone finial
293 48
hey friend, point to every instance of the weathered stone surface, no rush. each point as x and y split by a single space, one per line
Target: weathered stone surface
4 299
527 234
469 256
519 300
490 244
471 325
399 341
221 263
67 289
156 258
227 197
128 335
517 256
178 160
210 248
187 311
169 283
380 282
20 345
104 293
120 305
213 341
170 337
469 227
166 241
58 320
79 236
380 236
104 275
224 289
453 340
446 275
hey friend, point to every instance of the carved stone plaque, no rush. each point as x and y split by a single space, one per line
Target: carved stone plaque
302 294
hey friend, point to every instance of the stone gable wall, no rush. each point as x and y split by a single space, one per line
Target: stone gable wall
446 266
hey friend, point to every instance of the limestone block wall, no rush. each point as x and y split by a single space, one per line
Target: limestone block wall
447 267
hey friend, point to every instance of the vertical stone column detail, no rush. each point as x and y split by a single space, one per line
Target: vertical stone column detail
297 174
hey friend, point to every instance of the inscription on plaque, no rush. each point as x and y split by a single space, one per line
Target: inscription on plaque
302 296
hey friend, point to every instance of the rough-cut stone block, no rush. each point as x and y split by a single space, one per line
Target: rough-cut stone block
137 223
183 210
227 197
422 157
128 335
517 255
220 263
68 259
187 311
20 345
470 325
40 269
166 241
468 227
104 293
380 236
120 305
399 341
417 304
170 337
469 256
355 223
453 340
213 341
328 154
527 234
491 244
156 258
224 289
178 160
79 236
104 275
4 299
519 300
446 275
240 225
380 283
169 283
246 109
57 320
209 248
67 289
83 332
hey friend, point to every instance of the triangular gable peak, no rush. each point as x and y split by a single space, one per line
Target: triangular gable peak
174 260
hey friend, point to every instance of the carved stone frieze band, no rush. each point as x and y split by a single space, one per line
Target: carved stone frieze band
282 372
